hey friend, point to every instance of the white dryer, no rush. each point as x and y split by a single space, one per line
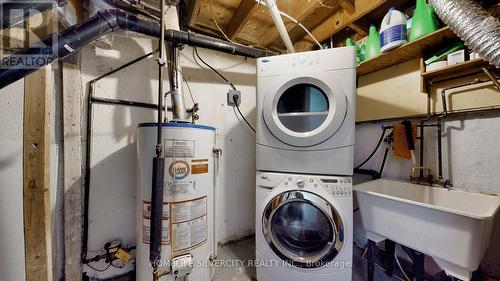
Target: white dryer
303 227
306 112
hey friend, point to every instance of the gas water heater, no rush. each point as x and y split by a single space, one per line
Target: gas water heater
188 237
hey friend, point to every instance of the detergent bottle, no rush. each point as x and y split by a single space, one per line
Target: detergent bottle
424 20
392 30
350 42
372 44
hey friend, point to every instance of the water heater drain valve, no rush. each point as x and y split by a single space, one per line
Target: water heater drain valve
182 266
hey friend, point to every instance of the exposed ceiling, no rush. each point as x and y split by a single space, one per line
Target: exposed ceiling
248 22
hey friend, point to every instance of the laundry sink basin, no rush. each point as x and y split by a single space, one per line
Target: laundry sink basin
452 226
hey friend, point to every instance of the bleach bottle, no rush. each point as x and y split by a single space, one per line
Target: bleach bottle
393 30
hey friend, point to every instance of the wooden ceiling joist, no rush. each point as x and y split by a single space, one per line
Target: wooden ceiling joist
338 21
348 5
358 29
193 8
240 17
299 12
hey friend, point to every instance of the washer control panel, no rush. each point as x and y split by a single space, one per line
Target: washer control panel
341 187
336 186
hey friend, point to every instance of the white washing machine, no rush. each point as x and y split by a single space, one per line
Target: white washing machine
303 227
306 112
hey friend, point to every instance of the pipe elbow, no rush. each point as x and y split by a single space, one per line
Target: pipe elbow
111 17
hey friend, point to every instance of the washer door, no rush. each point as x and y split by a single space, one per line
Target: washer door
305 111
303 229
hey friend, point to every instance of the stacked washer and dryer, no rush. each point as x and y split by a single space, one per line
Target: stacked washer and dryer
305 139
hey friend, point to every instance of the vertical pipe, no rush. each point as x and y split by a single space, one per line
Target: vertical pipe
275 14
86 194
421 148
175 79
370 259
440 149
158 163
156 211
390 248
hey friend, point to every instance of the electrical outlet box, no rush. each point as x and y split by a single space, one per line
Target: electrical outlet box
230 97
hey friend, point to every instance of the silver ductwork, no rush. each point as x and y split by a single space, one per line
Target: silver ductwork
175 80
479 31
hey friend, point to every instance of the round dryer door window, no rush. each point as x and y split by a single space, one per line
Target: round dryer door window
305 111
303 229
302 108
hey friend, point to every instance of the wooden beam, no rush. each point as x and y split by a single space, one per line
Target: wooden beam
348 5
72 110
358 29
36 175
77 7
192 11
240 17
338 21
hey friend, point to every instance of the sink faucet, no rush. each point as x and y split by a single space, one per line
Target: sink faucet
414 177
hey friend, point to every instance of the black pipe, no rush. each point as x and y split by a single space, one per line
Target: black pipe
422 128
74 38
156 226
440 150
384 160
156 210
128 103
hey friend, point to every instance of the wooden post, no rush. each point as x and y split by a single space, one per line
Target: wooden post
38 88
72 90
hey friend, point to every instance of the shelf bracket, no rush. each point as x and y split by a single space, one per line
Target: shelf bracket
491 77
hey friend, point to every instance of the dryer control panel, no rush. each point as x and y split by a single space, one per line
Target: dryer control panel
336 186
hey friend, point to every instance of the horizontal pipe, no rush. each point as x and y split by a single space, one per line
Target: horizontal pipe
104 22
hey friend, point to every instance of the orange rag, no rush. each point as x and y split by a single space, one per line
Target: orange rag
400 142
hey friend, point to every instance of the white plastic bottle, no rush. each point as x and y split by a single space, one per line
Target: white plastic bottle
393 30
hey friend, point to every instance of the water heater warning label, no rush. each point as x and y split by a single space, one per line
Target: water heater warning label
146 231
179 148
146 223
188 210
189 235
199 166
178 188
146 210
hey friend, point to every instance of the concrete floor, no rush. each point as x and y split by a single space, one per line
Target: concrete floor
245 250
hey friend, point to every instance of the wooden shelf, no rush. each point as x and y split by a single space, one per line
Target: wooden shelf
451 70
408 51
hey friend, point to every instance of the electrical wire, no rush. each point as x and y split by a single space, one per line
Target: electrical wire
97 269
303 27
297 22
400 267
235 98
217 24
213 69
322 4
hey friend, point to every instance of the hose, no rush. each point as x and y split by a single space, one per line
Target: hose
374 150
480 31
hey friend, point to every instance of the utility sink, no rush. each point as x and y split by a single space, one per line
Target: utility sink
452 226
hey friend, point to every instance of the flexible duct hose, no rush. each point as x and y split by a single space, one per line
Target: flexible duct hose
472 24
